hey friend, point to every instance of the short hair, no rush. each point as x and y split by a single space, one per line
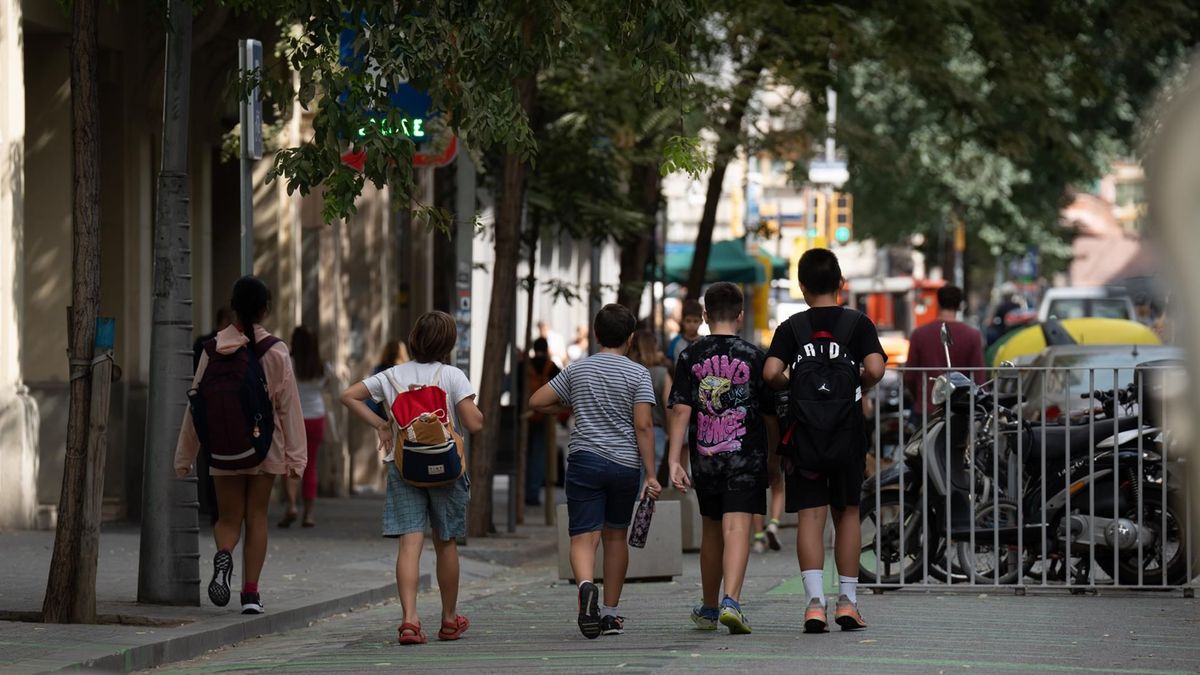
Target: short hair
692 308
540 345
819 271
432 337
950 298
613 325
723 301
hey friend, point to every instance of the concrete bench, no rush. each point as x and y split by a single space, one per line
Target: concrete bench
691 527
662 558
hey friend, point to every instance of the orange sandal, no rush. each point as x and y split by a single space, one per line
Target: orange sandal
415 635
453 631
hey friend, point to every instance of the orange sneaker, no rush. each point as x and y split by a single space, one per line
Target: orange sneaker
846 615
814 617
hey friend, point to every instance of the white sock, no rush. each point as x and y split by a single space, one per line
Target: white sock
814 585
848 586
608 611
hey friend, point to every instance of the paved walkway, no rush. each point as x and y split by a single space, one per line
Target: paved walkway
524 620
340 565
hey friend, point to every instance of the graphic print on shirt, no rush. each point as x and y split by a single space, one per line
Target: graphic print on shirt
724 392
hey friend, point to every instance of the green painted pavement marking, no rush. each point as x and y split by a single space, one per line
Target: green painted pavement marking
795 585
412 658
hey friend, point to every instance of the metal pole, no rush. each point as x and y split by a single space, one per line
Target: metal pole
250 117
594 292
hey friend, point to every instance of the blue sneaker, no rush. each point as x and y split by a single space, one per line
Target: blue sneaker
732 617
705 618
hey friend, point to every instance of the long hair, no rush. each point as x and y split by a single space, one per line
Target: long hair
390 355
306 352
645 349
251 302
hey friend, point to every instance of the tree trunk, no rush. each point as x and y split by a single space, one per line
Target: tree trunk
66 601
727 142
499 327
646 181
168 570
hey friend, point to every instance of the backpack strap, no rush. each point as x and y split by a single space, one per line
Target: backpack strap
263 346
843 331
802 328
210 348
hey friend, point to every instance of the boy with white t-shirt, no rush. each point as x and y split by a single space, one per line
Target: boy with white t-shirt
408 509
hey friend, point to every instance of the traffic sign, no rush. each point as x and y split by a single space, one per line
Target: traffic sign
828 173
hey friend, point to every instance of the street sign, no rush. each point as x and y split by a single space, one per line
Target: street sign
250 59
828 173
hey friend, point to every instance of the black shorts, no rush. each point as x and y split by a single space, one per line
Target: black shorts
714 505
837 489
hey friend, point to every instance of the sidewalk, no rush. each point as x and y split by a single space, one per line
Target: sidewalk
524 621
341 565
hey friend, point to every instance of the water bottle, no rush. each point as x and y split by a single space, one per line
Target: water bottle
641 522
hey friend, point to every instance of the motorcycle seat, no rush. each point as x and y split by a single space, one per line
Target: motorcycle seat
1078 438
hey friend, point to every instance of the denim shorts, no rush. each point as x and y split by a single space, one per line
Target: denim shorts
408 509
600 493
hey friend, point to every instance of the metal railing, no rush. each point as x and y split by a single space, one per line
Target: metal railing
1045 477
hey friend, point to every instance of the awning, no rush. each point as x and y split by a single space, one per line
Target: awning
727 261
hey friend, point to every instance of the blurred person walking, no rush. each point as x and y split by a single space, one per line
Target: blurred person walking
925 350
646 352
539 370
314 379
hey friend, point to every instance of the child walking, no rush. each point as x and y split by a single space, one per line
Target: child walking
611 449
240 353
833 356
407 508
721 402
313 380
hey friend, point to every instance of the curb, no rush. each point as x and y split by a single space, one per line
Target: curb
235 629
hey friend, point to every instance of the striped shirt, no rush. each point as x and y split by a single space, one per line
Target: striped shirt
602 390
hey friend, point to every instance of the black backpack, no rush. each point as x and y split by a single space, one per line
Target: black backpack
824 397
231 407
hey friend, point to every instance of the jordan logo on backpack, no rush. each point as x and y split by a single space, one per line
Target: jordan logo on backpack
824 396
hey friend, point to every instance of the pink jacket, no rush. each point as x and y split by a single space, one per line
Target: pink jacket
289 450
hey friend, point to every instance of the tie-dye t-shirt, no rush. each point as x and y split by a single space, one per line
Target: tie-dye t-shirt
720 378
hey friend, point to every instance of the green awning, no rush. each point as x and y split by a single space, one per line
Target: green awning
728 261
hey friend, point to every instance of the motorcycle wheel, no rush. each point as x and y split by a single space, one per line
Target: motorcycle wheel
1152 565
985 563
881 561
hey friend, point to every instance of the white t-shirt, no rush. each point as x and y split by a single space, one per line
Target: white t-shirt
385 385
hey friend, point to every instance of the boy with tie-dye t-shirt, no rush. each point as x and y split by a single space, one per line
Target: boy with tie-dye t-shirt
720 400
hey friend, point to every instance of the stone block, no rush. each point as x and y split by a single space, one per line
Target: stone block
661 559
690 520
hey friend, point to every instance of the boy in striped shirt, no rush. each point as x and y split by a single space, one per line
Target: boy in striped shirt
610 455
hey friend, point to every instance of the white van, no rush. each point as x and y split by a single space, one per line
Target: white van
1077 303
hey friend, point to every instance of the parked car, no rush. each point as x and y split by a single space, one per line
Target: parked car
1078 303
1071 371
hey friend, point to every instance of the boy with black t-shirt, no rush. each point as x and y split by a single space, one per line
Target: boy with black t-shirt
825 464
719 398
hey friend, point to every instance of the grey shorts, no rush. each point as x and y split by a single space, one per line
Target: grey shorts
408 509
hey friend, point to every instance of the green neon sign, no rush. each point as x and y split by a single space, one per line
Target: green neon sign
413 127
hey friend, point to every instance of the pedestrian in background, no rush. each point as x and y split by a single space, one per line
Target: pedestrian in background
689 329
409 509
834 356
394 353
243 495
925 350
579 348
726 410
539 370
646 352
314 379
611 449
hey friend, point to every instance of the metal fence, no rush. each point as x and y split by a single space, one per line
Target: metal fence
1042 477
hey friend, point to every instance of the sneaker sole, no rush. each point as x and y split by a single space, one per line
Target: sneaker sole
218 588
613 631
735 622
252 609
589 612
815 626
703 623
849 623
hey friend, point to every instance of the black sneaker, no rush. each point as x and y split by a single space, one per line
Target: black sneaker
589 610
612 625
251 603
218 588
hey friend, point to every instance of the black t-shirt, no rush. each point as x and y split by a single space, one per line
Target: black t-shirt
863 342
720 378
